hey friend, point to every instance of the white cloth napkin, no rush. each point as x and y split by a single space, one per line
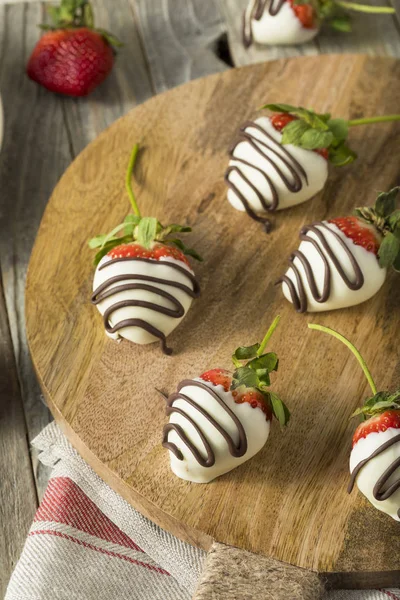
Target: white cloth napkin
86 542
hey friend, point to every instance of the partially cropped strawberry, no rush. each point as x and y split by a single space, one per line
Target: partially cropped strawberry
343 261
375 455
272 23
221 419
72 57
143 285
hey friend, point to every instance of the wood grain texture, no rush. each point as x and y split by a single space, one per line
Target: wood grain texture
180 44
376 35
107 404
233 573
18 497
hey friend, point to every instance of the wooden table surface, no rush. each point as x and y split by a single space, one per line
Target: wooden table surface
44 132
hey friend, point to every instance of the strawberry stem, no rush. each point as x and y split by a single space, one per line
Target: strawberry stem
354 350
365 8
128 180
369 120
268 335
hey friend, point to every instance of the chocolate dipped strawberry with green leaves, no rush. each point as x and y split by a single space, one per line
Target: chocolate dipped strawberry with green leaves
73 56
343 261
222 419
143 284
282 160
286 22
375 455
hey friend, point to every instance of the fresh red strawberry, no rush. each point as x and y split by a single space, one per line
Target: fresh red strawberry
218 377
72 58
388 419
305 13
360 233
138 251
280 120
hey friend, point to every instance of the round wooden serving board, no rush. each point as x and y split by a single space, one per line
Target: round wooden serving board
290 501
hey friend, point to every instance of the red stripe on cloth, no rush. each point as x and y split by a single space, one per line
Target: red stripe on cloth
65 502
97 549
390 594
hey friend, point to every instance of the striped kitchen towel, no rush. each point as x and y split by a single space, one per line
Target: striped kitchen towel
87 543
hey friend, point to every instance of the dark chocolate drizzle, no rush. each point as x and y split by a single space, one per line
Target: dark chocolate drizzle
256 13
299 298
272 146
105 291
380 492
236 451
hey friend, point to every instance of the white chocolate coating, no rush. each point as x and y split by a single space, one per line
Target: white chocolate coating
281 29
253 420
341 296
165 323
370 472
314 165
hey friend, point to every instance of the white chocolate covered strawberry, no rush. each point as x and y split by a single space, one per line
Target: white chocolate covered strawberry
264 175
281 161
287 22
343 261
375 454
143 284
218 421
279 22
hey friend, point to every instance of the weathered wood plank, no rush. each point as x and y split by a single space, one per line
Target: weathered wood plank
35 152
372 34
18 497
180 44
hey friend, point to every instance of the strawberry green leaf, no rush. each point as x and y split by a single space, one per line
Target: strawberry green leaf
105 249
389 250
244 376
339 128
268 361
111 235
179 228
279 409
188 251
280 108
341 155
131 221
113 41
313 139
394 220
246 352
396 263
147 230
379 403
293 132
386 202
342 24
97 241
